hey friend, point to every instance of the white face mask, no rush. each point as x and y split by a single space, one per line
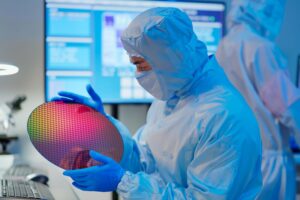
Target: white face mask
148 80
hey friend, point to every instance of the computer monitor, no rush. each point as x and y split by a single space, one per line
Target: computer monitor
82 44
298 72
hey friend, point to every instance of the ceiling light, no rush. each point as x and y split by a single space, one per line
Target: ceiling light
6 69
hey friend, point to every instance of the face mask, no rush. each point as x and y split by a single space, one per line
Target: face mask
148 80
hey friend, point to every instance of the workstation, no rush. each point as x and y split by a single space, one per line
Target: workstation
65 45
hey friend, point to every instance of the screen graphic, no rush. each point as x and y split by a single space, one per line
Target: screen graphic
83 45
65 132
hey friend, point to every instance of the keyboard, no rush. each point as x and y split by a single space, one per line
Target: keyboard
18 189
19 172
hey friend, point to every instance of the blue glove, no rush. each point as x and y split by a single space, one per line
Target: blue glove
103 178
93 102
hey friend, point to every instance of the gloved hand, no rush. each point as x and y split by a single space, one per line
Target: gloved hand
104 178
93 102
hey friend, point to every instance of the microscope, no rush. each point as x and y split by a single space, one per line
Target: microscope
7 111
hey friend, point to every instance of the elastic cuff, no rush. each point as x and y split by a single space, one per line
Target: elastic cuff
127 182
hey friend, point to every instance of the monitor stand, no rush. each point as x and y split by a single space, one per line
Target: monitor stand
115 114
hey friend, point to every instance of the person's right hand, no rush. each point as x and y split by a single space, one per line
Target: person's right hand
93 102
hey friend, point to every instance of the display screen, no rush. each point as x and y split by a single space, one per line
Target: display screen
82 40
298 72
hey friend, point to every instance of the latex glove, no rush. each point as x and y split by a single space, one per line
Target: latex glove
104 178
93 102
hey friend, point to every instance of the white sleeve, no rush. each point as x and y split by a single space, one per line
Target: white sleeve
136 156
275 88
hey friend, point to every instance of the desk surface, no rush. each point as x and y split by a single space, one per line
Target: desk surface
59 191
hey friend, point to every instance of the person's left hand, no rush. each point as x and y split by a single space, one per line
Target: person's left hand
104 178
94 101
